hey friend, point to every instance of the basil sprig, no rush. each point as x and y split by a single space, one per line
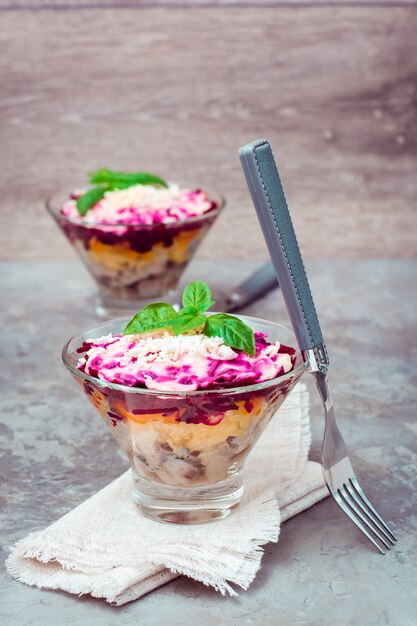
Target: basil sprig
196 299
107 180
153 316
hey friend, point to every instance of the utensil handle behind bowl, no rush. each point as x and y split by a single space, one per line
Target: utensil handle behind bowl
257 285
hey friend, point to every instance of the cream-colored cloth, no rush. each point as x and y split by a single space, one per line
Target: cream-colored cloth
105 548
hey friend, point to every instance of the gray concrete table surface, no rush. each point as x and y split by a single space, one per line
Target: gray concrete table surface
55 452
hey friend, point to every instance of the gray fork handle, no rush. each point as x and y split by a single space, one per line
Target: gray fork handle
268 197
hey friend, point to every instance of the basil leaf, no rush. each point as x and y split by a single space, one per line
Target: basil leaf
184 322
198 296
188 310
232 330
152 316
139 178
89 199
103 175
122 180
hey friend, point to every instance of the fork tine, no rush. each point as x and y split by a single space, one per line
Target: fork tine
350 502
354 519
362 495
362 505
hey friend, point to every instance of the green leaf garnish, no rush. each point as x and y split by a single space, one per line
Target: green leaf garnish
197 295
196 299
232 330
89 199
184 322
108 180
153 316
121 180
187 310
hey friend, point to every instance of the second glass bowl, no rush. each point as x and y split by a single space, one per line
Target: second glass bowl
133 264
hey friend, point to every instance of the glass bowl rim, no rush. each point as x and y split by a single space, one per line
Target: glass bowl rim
199 392
54 210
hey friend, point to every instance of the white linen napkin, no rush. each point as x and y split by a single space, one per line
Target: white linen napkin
105 548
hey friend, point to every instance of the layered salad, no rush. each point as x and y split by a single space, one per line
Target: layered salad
135 232
186 393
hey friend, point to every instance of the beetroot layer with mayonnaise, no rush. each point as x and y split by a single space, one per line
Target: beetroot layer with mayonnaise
183 363
142 204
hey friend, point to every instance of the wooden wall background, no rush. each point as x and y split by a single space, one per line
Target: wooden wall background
177 87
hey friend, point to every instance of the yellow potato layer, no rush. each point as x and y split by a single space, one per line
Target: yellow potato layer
179 251
195 436
120 256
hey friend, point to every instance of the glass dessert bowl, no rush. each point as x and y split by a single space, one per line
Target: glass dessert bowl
186 446
136 242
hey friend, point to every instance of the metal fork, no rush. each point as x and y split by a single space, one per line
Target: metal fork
341 480
271 206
